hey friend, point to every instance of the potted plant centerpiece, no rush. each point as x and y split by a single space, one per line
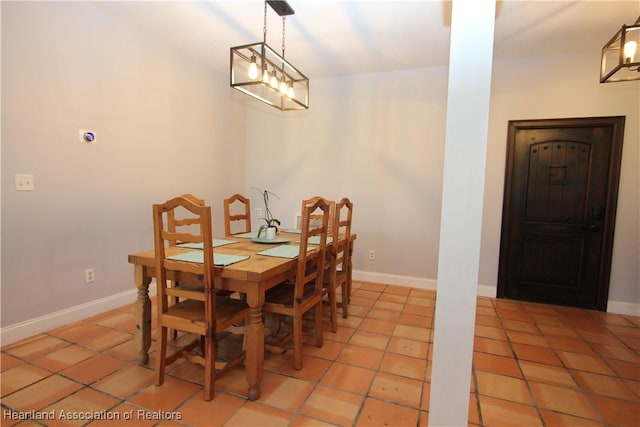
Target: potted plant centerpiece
270 227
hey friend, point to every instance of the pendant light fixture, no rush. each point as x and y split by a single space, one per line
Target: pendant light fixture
259 71
621 56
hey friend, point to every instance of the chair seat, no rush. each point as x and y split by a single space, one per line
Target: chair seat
190 310
283 294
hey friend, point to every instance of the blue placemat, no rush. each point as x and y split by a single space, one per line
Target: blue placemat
292 230
216 243
283 251
218 259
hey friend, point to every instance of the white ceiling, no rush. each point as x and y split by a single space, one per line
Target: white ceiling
340 37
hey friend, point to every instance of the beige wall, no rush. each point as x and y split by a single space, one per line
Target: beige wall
164 126
387 133
377 138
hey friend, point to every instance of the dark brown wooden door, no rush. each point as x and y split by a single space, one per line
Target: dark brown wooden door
561 189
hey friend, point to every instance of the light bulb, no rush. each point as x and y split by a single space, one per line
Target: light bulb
274 80
283 86
253 68
290 92
265 76
630 51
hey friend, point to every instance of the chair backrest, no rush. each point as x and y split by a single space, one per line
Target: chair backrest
316 218
168 269
341 232
311 263
237 208
181 219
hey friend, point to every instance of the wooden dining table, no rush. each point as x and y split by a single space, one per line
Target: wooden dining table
251 277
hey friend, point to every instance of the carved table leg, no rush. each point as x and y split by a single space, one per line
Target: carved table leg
254 363
143 314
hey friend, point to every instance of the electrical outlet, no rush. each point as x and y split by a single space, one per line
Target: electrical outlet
89 275
24 182
372 254
258 212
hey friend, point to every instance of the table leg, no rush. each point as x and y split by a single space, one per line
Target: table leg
254 362
143 314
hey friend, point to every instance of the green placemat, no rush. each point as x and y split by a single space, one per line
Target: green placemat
218 259
283 251
216 243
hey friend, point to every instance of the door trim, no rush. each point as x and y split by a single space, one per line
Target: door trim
616 123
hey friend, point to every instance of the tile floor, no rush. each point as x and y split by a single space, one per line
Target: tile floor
534 365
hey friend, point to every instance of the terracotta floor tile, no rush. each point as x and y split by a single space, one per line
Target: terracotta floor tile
416 320
116 319
536 354
258 414
359 301
526 338
617 412
490 332
487 312
369 339
77 331
63 358
329 350
352 322
400 299
285 392
491 346
20 377
86 403
548 374
379 413
93 368
393 388
561 399
503 413
364 293
8 361
496 364
387 315
304 421
374 287
407 347
125 415
491 321
333 406
616 352
626 370
503 387
412 332
584 362
32 349
604 385
41 394
556 419
105 339
349 378
548 319
520 325
361 356
377 326
387 305
404 366
168 396
515 314
312 370
397 290
126 381
569 344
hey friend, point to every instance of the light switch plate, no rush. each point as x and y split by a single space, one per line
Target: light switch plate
24 182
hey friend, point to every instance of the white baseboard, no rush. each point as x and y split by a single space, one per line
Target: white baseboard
620 307
28 328
617 307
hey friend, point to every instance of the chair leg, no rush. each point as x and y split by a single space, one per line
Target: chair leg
319 317
345 299
333 308
209 366
162 355
297 342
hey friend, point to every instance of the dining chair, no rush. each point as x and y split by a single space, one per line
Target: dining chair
237 208
196 313
305 293
340 259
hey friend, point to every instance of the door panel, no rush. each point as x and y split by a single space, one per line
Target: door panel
559 210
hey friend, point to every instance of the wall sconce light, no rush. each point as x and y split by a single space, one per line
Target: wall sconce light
621 56
259 71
